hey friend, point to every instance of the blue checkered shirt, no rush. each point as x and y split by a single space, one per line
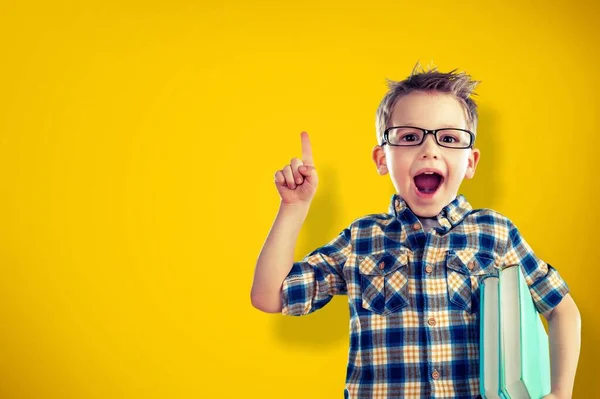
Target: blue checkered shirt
414 295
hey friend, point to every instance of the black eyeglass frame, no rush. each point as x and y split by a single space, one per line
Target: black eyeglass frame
425 133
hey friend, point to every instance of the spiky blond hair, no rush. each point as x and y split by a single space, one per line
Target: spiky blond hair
459 84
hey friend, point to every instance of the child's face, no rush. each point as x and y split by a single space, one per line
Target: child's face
428 111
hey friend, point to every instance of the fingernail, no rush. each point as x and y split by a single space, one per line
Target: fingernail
298 180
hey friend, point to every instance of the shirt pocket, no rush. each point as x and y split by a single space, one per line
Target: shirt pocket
464 270
384 280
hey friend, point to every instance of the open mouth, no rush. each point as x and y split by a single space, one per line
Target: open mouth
428 182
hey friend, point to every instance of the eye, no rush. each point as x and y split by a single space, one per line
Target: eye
448 138
406 136
409 137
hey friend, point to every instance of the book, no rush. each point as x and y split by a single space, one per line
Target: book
489 339
517 344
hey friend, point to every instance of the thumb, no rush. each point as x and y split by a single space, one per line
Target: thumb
307 170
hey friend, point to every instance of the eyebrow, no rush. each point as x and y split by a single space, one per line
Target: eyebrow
444 126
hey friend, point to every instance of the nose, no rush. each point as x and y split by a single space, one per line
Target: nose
429 148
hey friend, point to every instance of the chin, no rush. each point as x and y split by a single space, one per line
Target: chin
425 210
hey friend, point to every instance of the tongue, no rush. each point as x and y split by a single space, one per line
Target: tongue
427 183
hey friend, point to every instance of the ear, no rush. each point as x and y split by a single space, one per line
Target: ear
473 161
379 159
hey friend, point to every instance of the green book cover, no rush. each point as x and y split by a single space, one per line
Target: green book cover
535 358
523 348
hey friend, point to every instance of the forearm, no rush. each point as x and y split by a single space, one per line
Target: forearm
565 341
277 257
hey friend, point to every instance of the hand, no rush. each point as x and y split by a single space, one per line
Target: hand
297 182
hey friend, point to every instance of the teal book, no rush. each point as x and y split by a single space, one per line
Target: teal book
489 347
523 352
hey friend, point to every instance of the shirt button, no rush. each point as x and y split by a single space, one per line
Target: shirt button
381 266
417 226
435 374
431 322
471 265
428 269
454 218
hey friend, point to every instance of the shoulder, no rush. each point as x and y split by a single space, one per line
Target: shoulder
488 216
493 223
371 225
373 219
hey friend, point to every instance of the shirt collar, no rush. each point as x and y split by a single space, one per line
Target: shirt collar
451 215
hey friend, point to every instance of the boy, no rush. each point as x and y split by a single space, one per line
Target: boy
412 275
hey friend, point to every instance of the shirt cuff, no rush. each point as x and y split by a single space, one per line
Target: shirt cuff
548 291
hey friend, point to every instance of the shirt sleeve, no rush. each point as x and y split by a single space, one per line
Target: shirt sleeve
545 283
312 282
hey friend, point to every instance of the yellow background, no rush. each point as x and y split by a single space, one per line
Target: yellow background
138 146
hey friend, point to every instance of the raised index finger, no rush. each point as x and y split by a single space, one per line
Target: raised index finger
307 158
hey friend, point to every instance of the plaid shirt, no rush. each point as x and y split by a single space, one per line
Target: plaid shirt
414 295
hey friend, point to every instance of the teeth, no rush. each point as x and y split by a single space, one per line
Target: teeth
428 173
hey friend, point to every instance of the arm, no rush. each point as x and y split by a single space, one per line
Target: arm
551 296
276 258
296 184
564 325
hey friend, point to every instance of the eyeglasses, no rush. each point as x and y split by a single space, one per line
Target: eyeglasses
410 136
